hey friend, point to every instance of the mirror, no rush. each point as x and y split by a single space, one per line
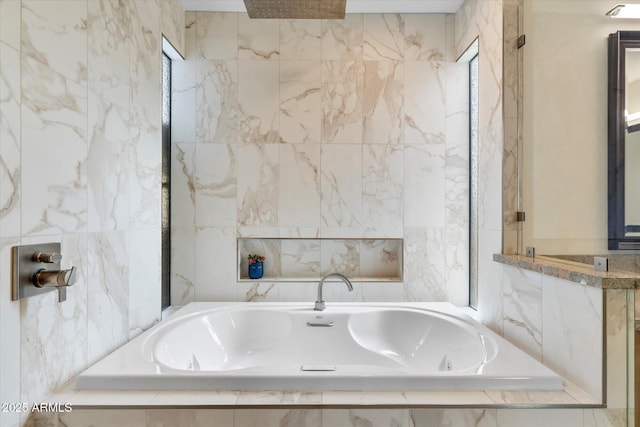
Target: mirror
624 140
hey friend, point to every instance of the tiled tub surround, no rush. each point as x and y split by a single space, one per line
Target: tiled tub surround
576 320
361 260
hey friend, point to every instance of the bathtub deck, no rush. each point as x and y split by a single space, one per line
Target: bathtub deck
570 397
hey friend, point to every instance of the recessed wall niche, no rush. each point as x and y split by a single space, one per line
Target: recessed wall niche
307 260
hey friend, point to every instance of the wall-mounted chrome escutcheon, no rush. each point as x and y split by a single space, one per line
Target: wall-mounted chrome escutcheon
36 270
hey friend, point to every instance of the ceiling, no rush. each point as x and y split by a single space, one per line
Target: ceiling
353 6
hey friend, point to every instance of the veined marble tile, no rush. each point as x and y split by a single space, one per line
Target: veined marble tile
424 185
258 38
109 28
190 398
10 134
522 309
257 197
572 338
278 418
383 182
540 417
183 100
490 276
424 35
215 265
454 417
145 279
424 107
146 45
51 331
108 165
258 291
190 23
54 134
340 256
342 38
215 179
217 35
605 418
300 39
300 101
619 320
341 186
342 89
301 258
258 101
379 258
173 23
108 293
424 264
103 418
216 102
10 337
279 398
269 248
383 36
382 292
365 417
10 11
189 417
383 102
183 185
183 283
54 34
305 292
299 186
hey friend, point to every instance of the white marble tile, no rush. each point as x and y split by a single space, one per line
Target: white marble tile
379 258
268 248
183 282
383 37
97 398
216 169
278 418
342 38
490 277
619 321
454 417
572 332
424 264
108 27
301 258
108 166
216 101
532 397
368 417
51 331
257 197
183 185
383 102
424 35
190 398
258 100
215 265
341 186
189 417
341 94
522 309
447 398
605 418
217 35
424 185
10 10
258 291
10 337
10 134
383 183
145 279
305 292
54 139
190 23
299 186
300 101
540 417
173 23
382 292
103 418
54 34
108 293
424 108
300 39
258 38
340 256
279 398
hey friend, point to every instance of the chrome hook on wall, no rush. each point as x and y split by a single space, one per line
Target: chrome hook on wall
36 270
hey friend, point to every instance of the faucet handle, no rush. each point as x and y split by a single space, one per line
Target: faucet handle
48 258
55 278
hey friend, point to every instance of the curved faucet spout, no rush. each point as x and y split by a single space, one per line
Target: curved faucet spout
319 306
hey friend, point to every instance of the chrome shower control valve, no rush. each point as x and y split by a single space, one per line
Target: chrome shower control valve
55 278
49 258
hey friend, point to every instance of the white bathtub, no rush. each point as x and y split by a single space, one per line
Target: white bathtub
287 346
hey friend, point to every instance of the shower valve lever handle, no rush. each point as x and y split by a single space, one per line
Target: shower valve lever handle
55 278
48 258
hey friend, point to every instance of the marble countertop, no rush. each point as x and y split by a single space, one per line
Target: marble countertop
584 274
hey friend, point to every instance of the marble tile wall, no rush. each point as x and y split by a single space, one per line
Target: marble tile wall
319 129
79 164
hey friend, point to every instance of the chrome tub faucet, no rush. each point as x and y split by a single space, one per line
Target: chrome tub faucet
319 306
